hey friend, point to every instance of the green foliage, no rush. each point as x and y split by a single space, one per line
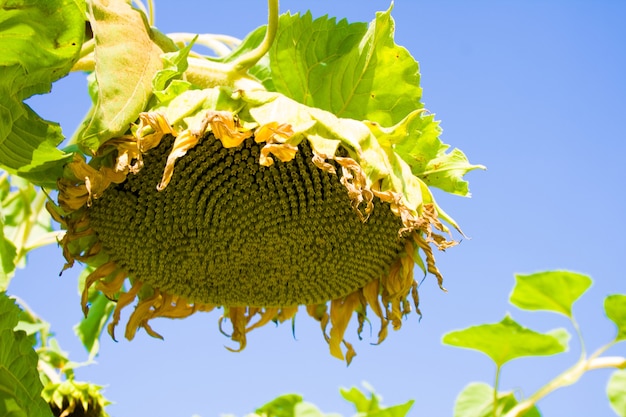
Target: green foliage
8 251
615 308
330 81
293 405
52 32
127 60
549 291
616 391
508 340
344 68
90 328
371 407
553 291
24 223
477 400
20 387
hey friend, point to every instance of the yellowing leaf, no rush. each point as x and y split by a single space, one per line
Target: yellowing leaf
126 62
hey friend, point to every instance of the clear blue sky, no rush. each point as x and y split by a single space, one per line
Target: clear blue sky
534 90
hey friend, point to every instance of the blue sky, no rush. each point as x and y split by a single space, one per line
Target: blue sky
533 90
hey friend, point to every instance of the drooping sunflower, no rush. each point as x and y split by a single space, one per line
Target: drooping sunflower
227 195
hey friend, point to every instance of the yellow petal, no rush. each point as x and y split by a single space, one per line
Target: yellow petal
340 313
185 141
225 128
273 133
283 151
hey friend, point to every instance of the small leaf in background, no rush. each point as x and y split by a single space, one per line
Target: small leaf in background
507 340
126 61
550 291
616 391
361 403
90 328
615 308
476 400
52 32
283 406
20 387
371 407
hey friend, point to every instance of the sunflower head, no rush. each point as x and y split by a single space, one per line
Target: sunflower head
245 219
239 194
73 399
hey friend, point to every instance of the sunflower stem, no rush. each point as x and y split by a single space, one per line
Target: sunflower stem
249 59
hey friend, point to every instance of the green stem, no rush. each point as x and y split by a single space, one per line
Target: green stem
151 12
496 384
583 349
247 60
569 377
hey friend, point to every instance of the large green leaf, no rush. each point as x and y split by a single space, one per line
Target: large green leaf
476 400
616 391
615 308
346 68
126 61
40 41
20 387
550 291
508 340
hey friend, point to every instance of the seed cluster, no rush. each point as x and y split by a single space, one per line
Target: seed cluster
227 231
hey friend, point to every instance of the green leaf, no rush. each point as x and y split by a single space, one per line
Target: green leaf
40 41
168 83
615 308
616 391
7 256
362 404
416 140
126 61
345 68
507 340
550 291
91 327
283 406
476 400
371 407
20 387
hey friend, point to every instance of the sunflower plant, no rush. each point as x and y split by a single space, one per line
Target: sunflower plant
291 171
